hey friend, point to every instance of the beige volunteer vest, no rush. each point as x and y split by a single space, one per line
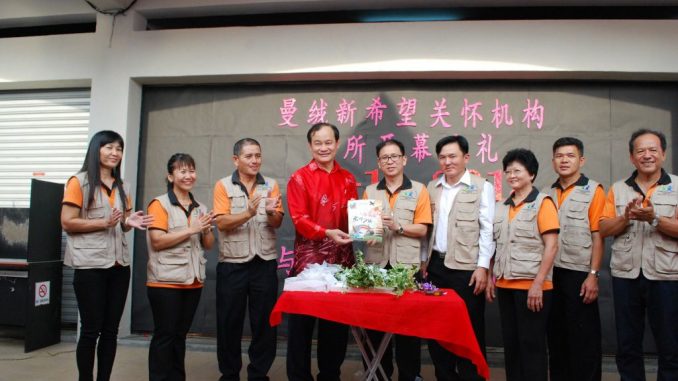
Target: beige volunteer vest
254 237
520 247
183 263
574 241
396 248
100 249
640 246
463 226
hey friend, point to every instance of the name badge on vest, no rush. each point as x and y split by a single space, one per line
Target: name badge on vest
409 195
470 189
531 206
664 189
586 189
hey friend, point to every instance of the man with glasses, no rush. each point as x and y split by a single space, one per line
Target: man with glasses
460 246
406 215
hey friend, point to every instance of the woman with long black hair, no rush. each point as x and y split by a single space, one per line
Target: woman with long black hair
96 212
177 239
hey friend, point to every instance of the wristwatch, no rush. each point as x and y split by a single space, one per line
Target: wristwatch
595 273
400 229
655 221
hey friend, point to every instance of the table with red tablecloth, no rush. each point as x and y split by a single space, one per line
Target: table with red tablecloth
442 318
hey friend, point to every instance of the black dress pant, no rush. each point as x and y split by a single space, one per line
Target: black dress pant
407 355
524 334
173 311
658 300
332 340
251 286
573 330
449 366
101 296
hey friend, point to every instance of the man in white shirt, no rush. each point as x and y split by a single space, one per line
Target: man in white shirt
460 246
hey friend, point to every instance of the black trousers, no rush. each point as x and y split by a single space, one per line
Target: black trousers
574 337
524 334
658 300
101 296
173 311
407 354
332 340
251 286
447 365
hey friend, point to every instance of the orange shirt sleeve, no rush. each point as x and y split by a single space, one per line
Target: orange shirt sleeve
156 210
422 213
73 193
610 210
222 204
596 208
547 219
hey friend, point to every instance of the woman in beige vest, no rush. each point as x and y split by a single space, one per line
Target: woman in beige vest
526 230
177 239
95 215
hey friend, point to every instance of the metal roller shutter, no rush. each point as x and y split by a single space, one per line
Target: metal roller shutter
43 134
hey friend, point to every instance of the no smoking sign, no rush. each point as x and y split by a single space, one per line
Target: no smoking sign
41 293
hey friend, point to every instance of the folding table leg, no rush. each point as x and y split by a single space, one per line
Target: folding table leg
365 345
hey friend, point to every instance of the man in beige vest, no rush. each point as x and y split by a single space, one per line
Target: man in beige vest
640 214
406 215
248 209
460 246
574 321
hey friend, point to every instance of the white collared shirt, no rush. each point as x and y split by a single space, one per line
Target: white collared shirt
486 217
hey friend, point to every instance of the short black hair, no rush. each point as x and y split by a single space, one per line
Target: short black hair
392 142
237 147
569 141
316 127
645 131
178 160
524 157
463 143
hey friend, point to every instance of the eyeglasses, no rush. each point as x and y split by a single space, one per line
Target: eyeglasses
393 158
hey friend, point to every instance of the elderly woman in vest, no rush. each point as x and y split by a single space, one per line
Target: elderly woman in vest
526 232
177 239
95 215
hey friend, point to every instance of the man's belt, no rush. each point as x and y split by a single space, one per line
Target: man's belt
439 254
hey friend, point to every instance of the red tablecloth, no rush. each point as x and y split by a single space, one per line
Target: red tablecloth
442 318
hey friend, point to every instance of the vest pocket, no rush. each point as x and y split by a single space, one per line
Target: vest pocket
125 251
467 243
622 255
173 266
91 249
576 245
496 227
268 247
236 245
404 210
525 260
96 212
238 203
407 250
666 255
202 273
664 206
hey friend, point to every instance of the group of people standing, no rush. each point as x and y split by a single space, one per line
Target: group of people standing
538 252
